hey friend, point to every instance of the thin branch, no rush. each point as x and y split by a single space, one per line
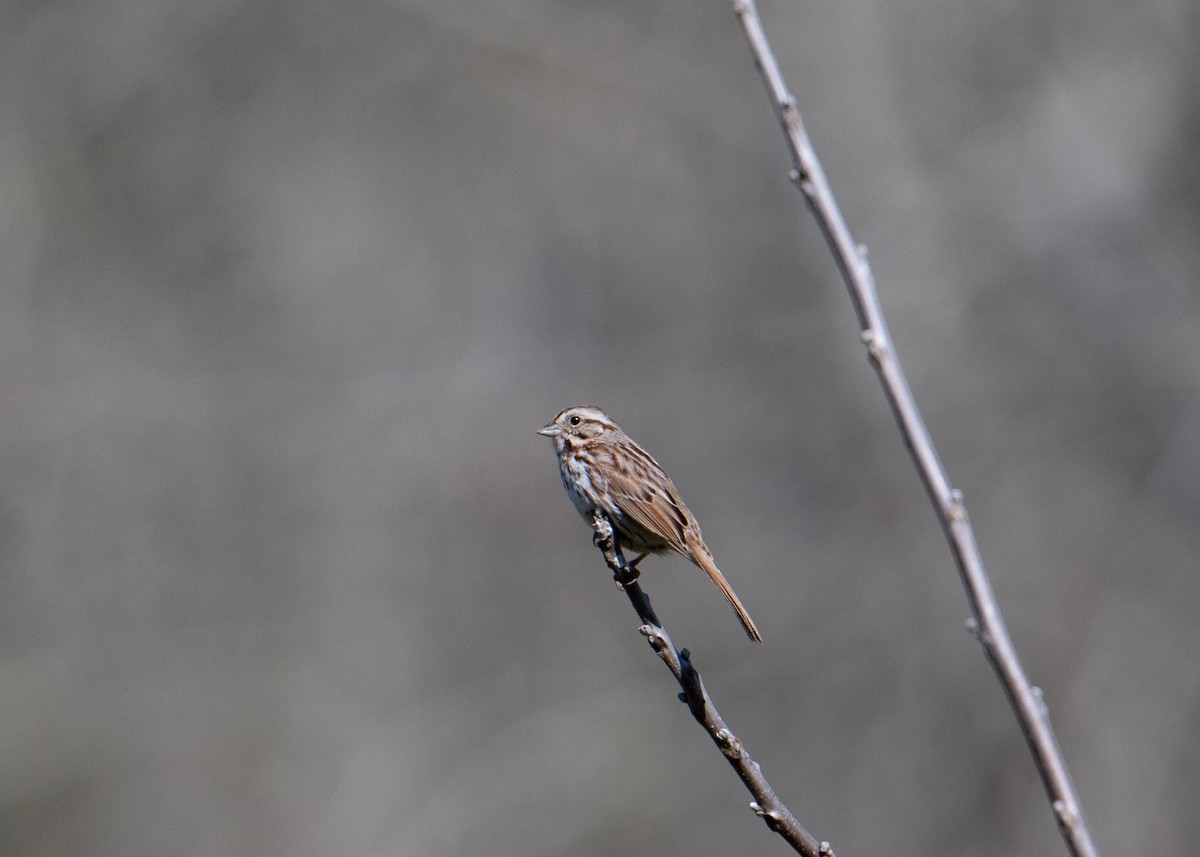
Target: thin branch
766 804
987 624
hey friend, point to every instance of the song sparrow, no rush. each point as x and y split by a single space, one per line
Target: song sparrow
603 468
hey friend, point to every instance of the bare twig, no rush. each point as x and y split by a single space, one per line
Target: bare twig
987 623
766 804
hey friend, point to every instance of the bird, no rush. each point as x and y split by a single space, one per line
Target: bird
603 469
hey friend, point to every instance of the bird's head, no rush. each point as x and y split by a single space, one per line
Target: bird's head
580 423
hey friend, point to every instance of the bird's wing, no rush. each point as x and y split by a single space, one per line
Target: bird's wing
648 497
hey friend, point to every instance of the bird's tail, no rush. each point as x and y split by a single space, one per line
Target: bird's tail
704 559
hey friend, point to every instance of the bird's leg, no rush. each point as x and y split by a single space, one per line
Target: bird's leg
629 573
606 538
631 569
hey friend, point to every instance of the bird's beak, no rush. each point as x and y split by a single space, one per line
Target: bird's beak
550 430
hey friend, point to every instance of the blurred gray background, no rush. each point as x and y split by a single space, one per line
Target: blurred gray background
286 287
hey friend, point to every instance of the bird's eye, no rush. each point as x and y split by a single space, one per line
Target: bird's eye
575 420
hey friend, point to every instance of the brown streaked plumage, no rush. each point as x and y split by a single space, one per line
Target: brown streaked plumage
603 468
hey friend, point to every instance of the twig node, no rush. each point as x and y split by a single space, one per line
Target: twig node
1066 817
958 507
876 344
